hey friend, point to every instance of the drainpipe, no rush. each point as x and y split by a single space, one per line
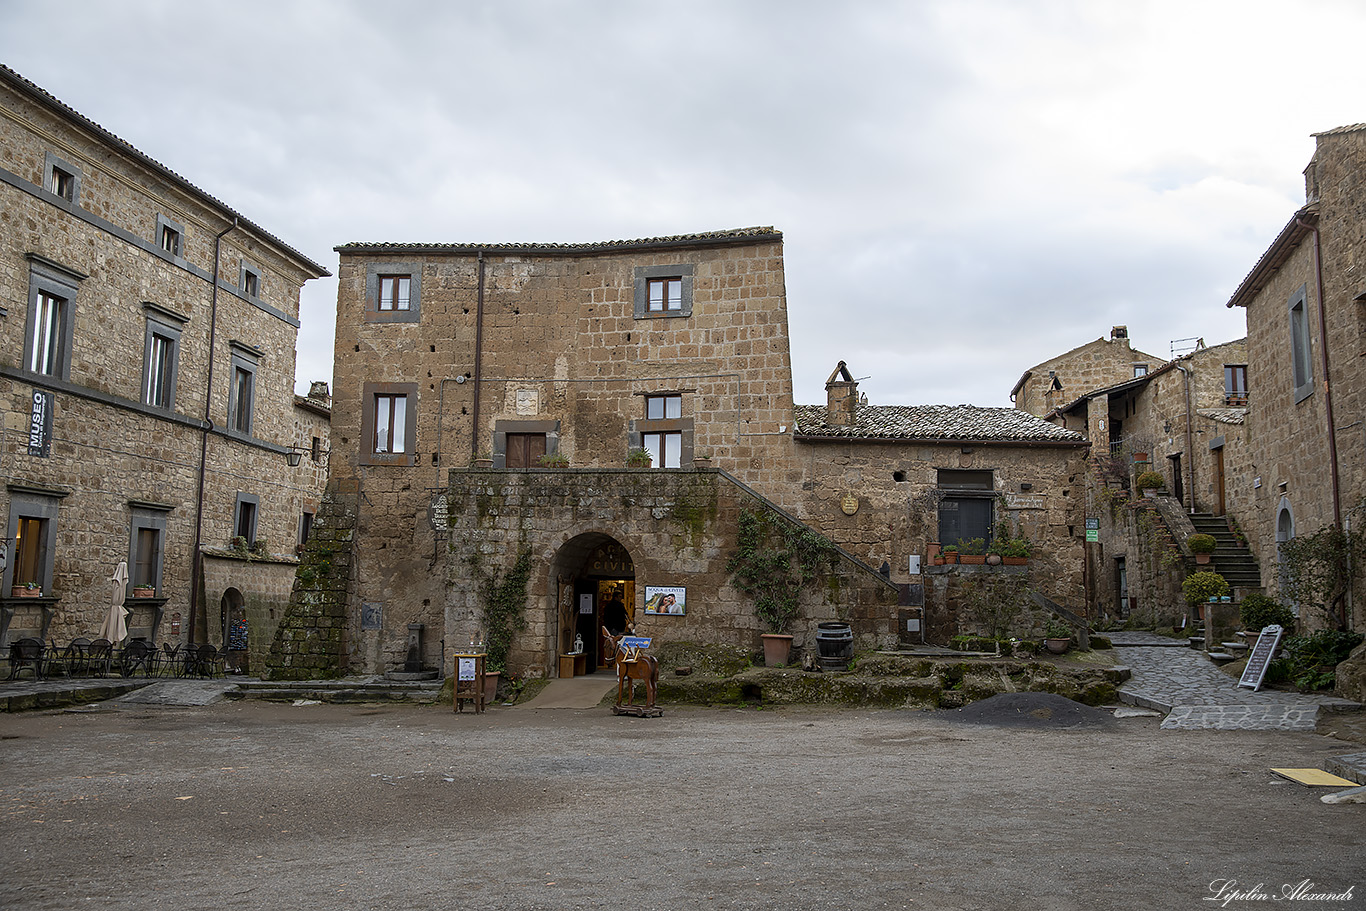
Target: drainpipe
478 357
1328 397
1190 437
197 573
1327 379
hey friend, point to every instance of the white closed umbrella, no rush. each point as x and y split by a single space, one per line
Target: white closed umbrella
115 627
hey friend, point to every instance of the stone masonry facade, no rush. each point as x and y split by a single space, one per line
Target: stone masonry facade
110 295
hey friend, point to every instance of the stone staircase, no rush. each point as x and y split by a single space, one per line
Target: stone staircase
1231 560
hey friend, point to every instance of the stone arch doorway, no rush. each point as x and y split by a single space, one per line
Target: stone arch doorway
233 616
591 571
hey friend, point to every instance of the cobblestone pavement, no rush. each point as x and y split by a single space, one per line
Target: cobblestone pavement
1171 677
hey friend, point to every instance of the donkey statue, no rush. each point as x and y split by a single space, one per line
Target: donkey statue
632 666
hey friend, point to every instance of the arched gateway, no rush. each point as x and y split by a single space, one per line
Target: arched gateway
591 572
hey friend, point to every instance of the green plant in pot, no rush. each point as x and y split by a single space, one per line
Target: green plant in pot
1258 611
1150 480
773 561
554 460
1057 636
1203 586
639 458
1202 545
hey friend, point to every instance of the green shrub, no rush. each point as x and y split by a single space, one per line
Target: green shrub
1259 611
554 460
1311 661
1200 587
1150 480
1201 544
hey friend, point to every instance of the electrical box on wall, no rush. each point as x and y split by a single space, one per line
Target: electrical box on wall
915 564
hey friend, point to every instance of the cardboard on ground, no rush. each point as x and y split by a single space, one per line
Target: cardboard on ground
1315 777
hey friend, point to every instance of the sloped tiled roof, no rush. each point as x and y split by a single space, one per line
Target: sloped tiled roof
39 94
936 422
702 239
1224 415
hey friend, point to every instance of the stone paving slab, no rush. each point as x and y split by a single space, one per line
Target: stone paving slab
182 692
1198 696
1127 637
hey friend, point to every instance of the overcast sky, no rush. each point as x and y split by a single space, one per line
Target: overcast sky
965 188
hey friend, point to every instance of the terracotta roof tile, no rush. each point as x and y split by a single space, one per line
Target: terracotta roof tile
936 422
705 238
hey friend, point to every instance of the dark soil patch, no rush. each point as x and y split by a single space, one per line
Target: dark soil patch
1032 710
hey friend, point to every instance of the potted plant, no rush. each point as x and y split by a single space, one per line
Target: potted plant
1057 636
1202 546
258 547
1202 587
26 590
702 460
554 460
639 458
949 554
972 551
1258 611
237 544
1150 482
144 591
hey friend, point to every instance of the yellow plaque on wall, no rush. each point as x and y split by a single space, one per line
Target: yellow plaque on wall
849 504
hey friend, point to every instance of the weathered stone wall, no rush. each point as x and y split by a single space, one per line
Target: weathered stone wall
111 456
261 586
1095 365
679 529
1040 494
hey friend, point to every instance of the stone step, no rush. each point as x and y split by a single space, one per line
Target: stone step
423 693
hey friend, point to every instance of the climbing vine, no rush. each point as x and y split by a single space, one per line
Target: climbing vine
1320 568
773 561
505 609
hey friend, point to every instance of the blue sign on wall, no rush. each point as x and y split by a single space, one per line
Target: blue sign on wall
636 642
40 425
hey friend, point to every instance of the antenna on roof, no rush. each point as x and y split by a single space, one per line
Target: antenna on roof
1182 346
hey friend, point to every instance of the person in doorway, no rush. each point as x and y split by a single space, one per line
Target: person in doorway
614 614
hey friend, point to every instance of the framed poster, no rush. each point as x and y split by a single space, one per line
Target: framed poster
666 599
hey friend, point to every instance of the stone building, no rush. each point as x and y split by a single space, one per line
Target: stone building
490 401
1306 318
1104 362
1184 419
149 412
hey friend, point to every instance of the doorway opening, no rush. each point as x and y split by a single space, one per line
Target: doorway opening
596 584
233 611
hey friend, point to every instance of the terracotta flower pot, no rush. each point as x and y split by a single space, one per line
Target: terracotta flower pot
1057 646
777 649
1202 559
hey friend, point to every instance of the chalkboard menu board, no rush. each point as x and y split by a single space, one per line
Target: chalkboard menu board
1261 657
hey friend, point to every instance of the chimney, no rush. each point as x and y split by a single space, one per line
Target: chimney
841 398
318 392
1119 332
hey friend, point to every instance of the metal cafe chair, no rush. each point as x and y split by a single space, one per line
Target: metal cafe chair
138 654
101 656
169 659
26 653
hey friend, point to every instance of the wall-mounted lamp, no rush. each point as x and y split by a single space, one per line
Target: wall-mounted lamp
294 457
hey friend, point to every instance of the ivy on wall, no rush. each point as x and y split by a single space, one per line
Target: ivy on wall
1320 569
774 560
505 609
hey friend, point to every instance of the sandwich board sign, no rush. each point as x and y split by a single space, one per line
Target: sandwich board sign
1260 658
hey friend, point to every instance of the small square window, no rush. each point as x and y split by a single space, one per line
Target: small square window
251 281
394 292
1140 370
663 407
170 236
665 294
389 423
61 178
63 184
1235 384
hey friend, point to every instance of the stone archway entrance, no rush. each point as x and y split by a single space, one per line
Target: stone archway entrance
591 572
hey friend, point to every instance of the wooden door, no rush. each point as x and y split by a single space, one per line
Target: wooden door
524 450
